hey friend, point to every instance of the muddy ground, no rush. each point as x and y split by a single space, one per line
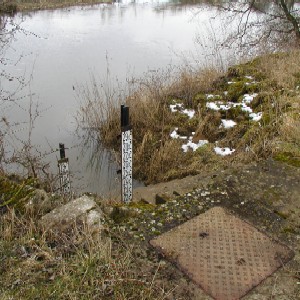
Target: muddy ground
265 194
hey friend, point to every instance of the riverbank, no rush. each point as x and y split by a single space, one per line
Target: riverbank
14 6
205 120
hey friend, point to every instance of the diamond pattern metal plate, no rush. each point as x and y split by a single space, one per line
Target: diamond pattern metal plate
224 255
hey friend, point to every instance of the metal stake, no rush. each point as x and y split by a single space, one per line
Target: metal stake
126 149
64 174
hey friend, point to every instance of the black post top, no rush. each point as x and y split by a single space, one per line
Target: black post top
124 116
62 151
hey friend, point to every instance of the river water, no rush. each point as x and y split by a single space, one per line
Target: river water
57 51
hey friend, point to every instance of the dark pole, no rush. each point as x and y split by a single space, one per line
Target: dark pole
124 116
62 151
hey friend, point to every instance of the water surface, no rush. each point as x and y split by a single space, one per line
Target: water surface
61 49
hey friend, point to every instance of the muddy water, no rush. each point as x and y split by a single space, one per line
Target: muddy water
59 50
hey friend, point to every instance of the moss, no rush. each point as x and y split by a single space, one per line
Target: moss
281 214
239 88
235 91
199 97
142 204
235 113
288 158
249 68
289 230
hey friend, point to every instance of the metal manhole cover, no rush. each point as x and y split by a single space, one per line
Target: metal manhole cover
224 255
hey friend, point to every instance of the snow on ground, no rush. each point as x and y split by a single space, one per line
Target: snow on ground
212 105
217 105
174 134
256 116
193 146
223 151
177 107
189 112
247 98
227 123
246 108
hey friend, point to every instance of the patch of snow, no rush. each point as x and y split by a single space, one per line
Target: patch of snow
255 116
189 112
249 77
227 123
246 108
212 105
209 96
193 146
174 107
225 93
224 107
223 151
249 98
231 82
174 134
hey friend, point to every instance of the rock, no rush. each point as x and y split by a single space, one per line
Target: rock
83 209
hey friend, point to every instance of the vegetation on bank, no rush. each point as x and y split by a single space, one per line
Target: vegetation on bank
14 6
39 264
260 97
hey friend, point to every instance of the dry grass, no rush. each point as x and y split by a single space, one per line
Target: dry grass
159 158
68 265
282 69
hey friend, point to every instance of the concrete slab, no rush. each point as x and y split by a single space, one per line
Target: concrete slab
224 255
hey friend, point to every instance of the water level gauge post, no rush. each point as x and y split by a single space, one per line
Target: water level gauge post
126 153
64 173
